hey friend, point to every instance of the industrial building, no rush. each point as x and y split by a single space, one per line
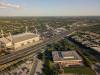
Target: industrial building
67 58
19 40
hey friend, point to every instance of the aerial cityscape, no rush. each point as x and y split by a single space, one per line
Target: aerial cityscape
49 37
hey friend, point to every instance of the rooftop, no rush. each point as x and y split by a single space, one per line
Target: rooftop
65 55
24 36
19 37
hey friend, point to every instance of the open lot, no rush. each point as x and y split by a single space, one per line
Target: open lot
79 70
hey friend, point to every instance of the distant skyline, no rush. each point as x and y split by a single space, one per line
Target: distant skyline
49 7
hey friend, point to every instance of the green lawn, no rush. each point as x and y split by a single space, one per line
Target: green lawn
79 70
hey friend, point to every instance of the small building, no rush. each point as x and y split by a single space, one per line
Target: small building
67 58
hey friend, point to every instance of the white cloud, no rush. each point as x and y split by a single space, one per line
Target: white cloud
8 5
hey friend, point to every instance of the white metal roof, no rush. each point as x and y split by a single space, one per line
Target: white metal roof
18 37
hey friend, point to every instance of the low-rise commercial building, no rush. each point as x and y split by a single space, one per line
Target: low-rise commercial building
67 58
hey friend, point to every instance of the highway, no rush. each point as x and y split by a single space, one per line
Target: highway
30 50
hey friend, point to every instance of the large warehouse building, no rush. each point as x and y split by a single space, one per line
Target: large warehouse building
17 41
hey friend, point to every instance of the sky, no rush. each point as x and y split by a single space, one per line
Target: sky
49 7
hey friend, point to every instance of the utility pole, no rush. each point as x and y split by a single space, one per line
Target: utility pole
2 33
26 29
11 39
36 31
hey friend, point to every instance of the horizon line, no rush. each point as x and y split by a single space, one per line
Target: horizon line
56 16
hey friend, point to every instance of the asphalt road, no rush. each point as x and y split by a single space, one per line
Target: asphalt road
34 66
30 50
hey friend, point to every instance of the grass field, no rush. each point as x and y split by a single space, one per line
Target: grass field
79 70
